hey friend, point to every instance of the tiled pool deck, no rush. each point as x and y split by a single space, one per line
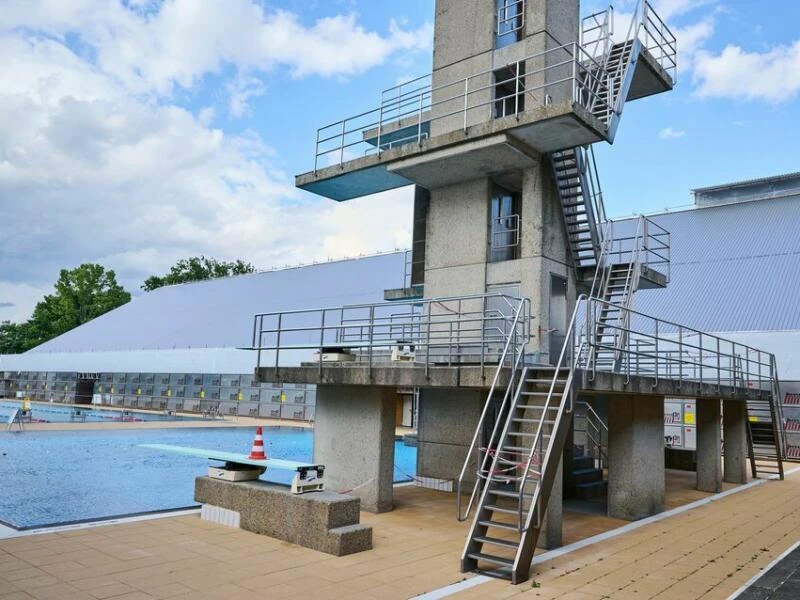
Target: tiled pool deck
706 551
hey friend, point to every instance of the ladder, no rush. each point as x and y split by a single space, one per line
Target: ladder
763 438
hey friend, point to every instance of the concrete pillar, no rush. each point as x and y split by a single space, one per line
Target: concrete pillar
635 456
446 423
552 532
709 461
734 419
354 439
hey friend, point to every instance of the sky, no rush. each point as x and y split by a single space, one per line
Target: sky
134 133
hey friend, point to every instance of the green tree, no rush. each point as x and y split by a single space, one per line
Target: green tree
197 268
81 294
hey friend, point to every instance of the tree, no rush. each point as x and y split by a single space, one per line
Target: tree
81 294
197 268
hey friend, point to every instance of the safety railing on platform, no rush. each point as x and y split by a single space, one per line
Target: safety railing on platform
408 111
474 329
650 246
597 31
664 349
657 38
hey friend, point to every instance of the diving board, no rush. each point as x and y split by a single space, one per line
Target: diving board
240 467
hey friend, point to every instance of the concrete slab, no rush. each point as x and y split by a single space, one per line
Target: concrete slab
486 157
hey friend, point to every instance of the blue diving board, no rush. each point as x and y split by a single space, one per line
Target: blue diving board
308 477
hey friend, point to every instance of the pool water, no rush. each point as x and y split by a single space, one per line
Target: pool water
62 476
50 413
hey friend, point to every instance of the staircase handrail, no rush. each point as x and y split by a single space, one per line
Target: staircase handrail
778 402
518 353
564 360
597 422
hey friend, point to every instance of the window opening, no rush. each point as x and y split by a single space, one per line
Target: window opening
510 21
509 90
504 226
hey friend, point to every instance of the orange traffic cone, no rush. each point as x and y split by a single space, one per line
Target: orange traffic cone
257 452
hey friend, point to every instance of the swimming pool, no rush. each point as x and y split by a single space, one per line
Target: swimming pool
49 413
64 476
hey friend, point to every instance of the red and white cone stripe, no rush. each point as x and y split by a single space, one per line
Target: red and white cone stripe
257 452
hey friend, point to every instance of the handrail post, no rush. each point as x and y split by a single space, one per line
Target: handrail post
380 128
719 368
428 341
371 336
419 119
321 341
466 101
278 342
341 147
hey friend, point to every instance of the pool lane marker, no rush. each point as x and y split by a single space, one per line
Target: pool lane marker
763 571
466 584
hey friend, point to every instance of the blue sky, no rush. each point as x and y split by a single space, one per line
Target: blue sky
136 133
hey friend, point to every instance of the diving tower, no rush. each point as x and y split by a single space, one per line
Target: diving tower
521 291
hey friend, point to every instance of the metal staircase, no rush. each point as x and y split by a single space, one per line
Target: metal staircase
765 430
517 467
578 186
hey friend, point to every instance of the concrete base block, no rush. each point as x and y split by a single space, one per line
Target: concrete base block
324 521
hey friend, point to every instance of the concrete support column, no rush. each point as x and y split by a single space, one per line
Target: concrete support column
446 423
635 456
734 419
552 532
354 439
709 438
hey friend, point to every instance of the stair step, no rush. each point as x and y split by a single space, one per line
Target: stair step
498 560
520 420
485 539
501 509
509 494
498 525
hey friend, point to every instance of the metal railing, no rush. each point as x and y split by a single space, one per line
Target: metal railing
597 31
664 349
473 329
515 351
589 423
658 39
408 111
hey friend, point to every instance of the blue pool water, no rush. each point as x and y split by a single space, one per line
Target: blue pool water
53 413
58 477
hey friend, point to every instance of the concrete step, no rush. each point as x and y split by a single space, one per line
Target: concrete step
595 489
590 475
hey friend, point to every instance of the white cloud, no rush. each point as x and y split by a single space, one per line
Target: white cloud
99 164
668 133
773 75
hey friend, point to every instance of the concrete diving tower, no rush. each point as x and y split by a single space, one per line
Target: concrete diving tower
495 113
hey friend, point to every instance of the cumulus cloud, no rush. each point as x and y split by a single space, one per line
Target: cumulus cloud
668 133
772 75
100 159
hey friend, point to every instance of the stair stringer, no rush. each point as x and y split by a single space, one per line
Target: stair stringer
520 572
624 87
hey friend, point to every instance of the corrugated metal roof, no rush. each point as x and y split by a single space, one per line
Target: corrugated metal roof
734 267
219 313
747 182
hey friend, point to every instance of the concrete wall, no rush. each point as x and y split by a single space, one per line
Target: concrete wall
447 421
458 237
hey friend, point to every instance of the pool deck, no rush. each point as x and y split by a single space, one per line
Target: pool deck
707 548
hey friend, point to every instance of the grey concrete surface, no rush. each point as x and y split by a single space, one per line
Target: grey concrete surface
324 521
734 424
781 582
354 439
709 440
446 423
635 456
